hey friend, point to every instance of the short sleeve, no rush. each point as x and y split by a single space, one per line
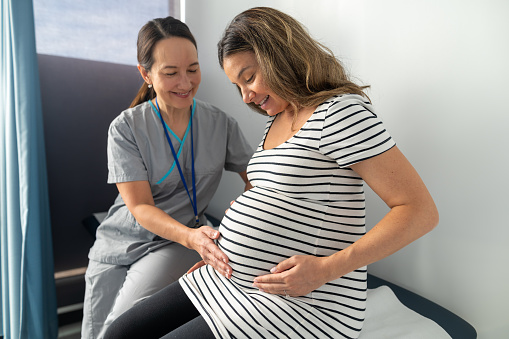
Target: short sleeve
125 162
239 152
352 132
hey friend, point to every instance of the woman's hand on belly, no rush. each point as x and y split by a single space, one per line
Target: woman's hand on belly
202 241
295 276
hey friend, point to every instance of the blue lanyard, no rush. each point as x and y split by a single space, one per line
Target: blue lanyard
193 203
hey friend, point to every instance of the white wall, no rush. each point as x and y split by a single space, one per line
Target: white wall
438 71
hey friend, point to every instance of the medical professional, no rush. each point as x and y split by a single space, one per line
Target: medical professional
166 154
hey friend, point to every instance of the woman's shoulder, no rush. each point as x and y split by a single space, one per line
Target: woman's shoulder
337 106
346 100
131 114
209 108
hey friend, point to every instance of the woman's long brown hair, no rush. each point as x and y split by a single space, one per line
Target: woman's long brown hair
295 66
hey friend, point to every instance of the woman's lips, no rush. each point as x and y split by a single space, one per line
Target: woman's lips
264 102
182 95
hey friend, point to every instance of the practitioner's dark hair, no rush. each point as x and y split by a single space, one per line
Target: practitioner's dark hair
150 34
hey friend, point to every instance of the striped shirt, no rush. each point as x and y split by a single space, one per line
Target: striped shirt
306 200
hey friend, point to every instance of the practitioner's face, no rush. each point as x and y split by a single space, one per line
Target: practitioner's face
175 73
243 70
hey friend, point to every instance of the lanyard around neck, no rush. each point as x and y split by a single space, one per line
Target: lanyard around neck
193 201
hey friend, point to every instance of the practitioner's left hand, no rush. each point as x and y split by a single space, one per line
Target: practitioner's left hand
295 276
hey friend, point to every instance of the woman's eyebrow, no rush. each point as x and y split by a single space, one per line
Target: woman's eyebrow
170 66
242 71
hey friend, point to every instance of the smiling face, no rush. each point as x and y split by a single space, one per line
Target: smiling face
175 73
243 70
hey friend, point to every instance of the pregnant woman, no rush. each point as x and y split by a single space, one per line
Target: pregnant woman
296 241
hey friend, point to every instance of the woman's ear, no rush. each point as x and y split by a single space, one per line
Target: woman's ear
144 74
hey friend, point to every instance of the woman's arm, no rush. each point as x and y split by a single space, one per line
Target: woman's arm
138 198
412 214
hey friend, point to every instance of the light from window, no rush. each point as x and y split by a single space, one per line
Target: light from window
96 29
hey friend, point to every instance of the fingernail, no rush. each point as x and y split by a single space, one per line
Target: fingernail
224 260
273 270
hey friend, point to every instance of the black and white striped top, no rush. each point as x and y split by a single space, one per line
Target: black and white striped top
306 200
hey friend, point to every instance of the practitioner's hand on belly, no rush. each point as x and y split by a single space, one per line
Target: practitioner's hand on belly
202 241
295 276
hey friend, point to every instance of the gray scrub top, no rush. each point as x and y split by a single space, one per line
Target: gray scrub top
138 150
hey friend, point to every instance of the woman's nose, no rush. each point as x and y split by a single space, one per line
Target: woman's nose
185 82
247 96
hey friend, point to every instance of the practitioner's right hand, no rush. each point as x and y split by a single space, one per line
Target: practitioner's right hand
202 241
196 266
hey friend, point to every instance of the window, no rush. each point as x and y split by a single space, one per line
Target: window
96 29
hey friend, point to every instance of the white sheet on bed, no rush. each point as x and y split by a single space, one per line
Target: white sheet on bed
388 318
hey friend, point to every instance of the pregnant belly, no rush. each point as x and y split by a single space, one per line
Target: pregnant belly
262 228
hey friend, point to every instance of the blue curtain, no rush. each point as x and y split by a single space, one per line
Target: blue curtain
27 295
